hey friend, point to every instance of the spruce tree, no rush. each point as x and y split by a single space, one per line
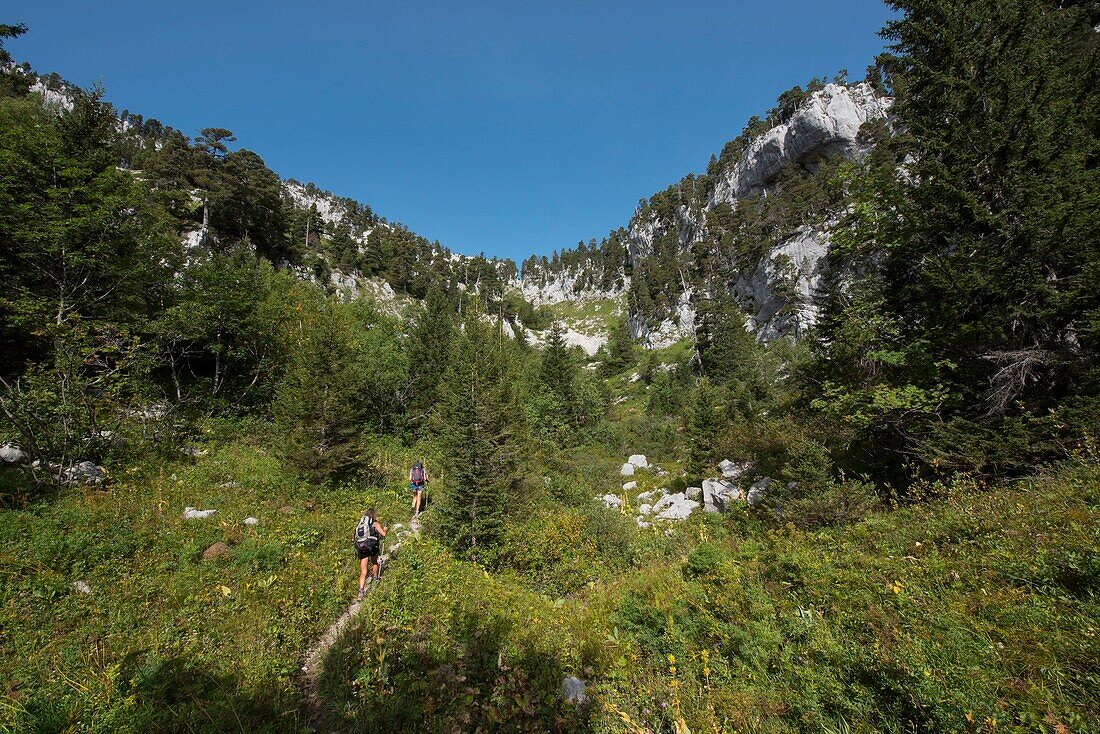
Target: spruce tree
701 429
557 370
429 342
480 420
317 406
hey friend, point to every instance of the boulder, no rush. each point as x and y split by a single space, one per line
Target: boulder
732 471
82 587
627 470
720 493
645 509
217 550
190 513
83 473
693 493
12 454
630 485
758 490
674 506
639 461
612 502
573 690
251 521
641 521
651 495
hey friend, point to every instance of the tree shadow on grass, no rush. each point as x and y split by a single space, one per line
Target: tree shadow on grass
399 680
145 692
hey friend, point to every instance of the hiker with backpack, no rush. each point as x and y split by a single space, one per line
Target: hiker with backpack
418 477
368 544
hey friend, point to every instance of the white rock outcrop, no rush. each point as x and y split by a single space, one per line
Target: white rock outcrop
825 126
190 513
639 461
630 485
627 470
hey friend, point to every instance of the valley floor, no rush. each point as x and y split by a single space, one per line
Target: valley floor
978 611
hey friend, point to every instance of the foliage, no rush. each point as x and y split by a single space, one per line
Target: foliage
480 421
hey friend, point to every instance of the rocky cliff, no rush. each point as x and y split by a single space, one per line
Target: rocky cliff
775 286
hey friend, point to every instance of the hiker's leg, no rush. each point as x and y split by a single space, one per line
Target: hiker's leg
364 566
374 568
417 501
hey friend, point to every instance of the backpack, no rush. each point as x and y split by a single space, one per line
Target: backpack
417 474
366 537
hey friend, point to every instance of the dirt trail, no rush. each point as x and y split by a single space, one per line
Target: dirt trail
313 664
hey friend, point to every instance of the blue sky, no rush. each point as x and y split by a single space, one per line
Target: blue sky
503 127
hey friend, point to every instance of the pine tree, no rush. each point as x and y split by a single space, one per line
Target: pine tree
479 420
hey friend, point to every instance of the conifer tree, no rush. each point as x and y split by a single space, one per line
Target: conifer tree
430 343
317 405
701 429
480 421
557 370
620 348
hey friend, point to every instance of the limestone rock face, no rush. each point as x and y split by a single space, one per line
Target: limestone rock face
824 127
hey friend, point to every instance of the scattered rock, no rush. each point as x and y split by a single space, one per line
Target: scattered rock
192 451
546 481
190 513
82 587
720 493
674 507
693 493
758 490
217 550
635 377
12 454
641 522
251 521
630 485
639 461
731 470
612 501
645 509
230 485
651 495
573 690
83 473
627 470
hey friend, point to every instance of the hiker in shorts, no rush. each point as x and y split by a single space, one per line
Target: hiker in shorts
368 544
418 477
